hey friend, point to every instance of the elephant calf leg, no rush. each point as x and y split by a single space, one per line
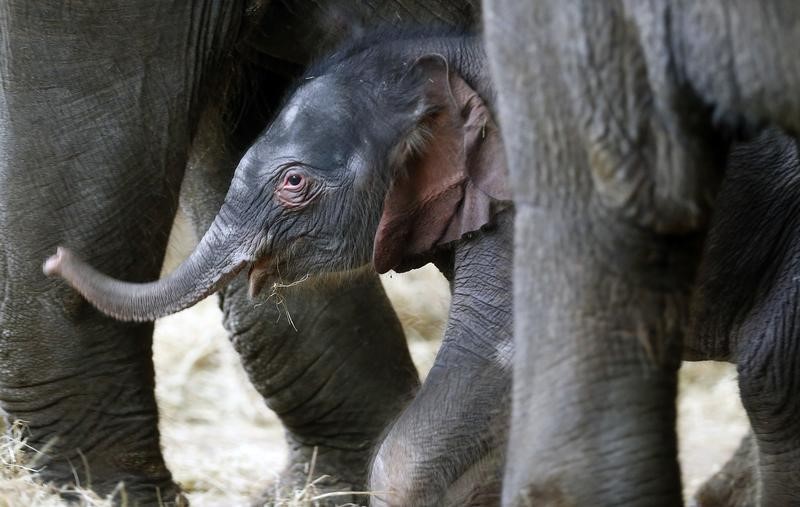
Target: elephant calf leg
735 484
336 374
448 446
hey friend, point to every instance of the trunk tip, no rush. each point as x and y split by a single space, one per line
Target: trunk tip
53 266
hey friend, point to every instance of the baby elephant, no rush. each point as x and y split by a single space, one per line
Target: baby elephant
385 153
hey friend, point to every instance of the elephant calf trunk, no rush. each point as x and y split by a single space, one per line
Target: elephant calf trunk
192 281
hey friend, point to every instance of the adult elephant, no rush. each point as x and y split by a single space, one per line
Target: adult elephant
100 103
617 117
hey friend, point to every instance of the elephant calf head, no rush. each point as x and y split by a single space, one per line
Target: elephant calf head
382 153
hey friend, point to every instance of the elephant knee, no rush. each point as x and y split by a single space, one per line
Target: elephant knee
395 479
768 387
385 478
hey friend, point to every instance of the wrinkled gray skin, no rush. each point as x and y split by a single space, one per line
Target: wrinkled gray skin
617 117
746 311
345 131
99 104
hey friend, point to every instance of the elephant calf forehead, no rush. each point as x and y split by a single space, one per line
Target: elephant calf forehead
319 120
318 103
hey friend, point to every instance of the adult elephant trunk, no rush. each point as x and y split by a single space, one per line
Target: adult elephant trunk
218 257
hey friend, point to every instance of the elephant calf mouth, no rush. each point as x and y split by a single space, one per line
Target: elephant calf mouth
261 272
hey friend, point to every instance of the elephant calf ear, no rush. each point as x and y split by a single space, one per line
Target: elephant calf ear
452 176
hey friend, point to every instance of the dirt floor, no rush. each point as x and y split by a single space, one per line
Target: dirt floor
223 445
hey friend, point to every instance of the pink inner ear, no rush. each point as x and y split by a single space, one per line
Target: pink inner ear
413 231
453 188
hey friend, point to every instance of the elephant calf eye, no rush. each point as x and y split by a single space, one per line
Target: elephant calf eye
296 190
293 180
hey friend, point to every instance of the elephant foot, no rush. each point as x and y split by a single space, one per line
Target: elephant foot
319 476
735 485
130 492
141 482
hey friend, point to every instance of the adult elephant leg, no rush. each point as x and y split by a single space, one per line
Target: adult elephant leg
448 446
744 311
768 358
329 357
747 72
595 377
94 124
609 221
336 374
